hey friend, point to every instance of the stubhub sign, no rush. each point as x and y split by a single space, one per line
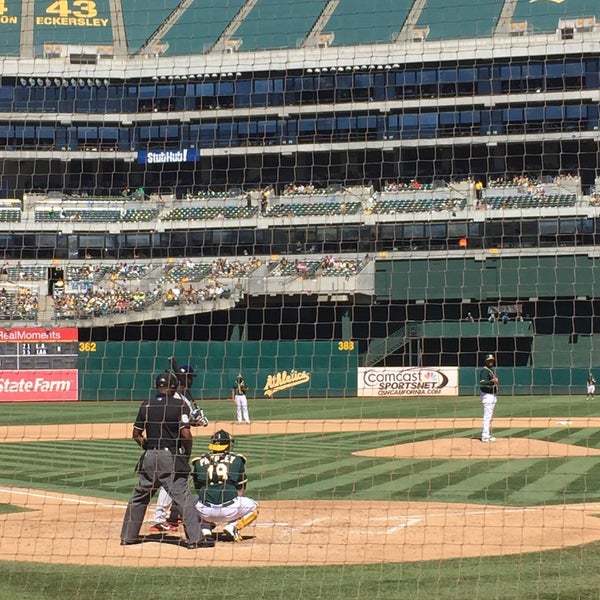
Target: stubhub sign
168 156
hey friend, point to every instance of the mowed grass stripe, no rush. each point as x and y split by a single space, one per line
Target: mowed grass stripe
485 475
552 485
399 485
376 478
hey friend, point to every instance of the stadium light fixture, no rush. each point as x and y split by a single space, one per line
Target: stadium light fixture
388 66
154 78
81 83
40 82
348 69
57 82
90 83
317 70
309 70
31 81
98 83
214 75
48 82
229 74
65 83
238 74
396 66
23 81
106 82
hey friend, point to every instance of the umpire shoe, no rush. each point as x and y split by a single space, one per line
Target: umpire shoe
202 543
130 542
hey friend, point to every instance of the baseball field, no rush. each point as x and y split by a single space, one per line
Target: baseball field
360 498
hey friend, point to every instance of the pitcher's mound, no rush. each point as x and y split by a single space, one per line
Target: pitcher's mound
475 448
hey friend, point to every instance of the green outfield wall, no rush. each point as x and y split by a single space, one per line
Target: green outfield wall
488 276
126 370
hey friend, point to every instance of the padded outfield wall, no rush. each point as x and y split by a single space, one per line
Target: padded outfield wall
126 370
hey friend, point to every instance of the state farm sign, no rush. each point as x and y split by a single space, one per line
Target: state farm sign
39 386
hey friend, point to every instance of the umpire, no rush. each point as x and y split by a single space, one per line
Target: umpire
167 446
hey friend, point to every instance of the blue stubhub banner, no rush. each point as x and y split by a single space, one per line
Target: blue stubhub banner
168 156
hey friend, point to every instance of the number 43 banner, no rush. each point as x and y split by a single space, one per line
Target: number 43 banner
72 13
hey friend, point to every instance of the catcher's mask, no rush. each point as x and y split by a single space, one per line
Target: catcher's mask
220 441
166 381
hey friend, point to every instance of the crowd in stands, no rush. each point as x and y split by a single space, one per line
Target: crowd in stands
211 291
20 304
127 271
329 266
400 186
101 302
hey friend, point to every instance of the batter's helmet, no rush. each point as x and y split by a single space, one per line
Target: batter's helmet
186 370
166 380
220 441
489 357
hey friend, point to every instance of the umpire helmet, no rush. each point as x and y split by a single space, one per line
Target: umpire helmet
220 441
166 380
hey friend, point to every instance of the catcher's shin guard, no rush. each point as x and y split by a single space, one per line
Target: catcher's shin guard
247 519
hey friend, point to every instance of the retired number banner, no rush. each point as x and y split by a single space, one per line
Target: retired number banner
407 381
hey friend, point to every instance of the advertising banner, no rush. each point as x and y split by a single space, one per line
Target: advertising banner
168 156
38 386
407 381
38 364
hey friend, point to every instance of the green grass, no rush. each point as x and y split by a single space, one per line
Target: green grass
315 408
557 575
321 466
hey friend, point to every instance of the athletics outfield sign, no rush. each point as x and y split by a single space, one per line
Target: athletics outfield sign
407 381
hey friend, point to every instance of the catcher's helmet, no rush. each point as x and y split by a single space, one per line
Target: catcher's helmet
166 380
220 441
489 357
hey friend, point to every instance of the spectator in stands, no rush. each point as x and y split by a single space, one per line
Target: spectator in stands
478 189
469 317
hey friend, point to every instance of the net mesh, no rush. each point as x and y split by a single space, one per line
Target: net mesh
344 207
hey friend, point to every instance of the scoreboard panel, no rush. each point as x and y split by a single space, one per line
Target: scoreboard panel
38 364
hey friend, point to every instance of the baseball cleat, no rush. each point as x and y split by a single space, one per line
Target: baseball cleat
490 439
232 532
207 533
162 528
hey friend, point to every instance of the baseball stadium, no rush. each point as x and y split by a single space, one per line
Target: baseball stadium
376 223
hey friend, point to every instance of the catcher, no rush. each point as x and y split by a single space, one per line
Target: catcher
239 398
219 477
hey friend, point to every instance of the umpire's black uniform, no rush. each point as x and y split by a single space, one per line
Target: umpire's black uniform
167 444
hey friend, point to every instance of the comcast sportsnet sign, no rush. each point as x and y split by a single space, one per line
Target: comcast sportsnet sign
408 381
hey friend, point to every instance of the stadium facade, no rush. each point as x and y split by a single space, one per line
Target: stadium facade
155 135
